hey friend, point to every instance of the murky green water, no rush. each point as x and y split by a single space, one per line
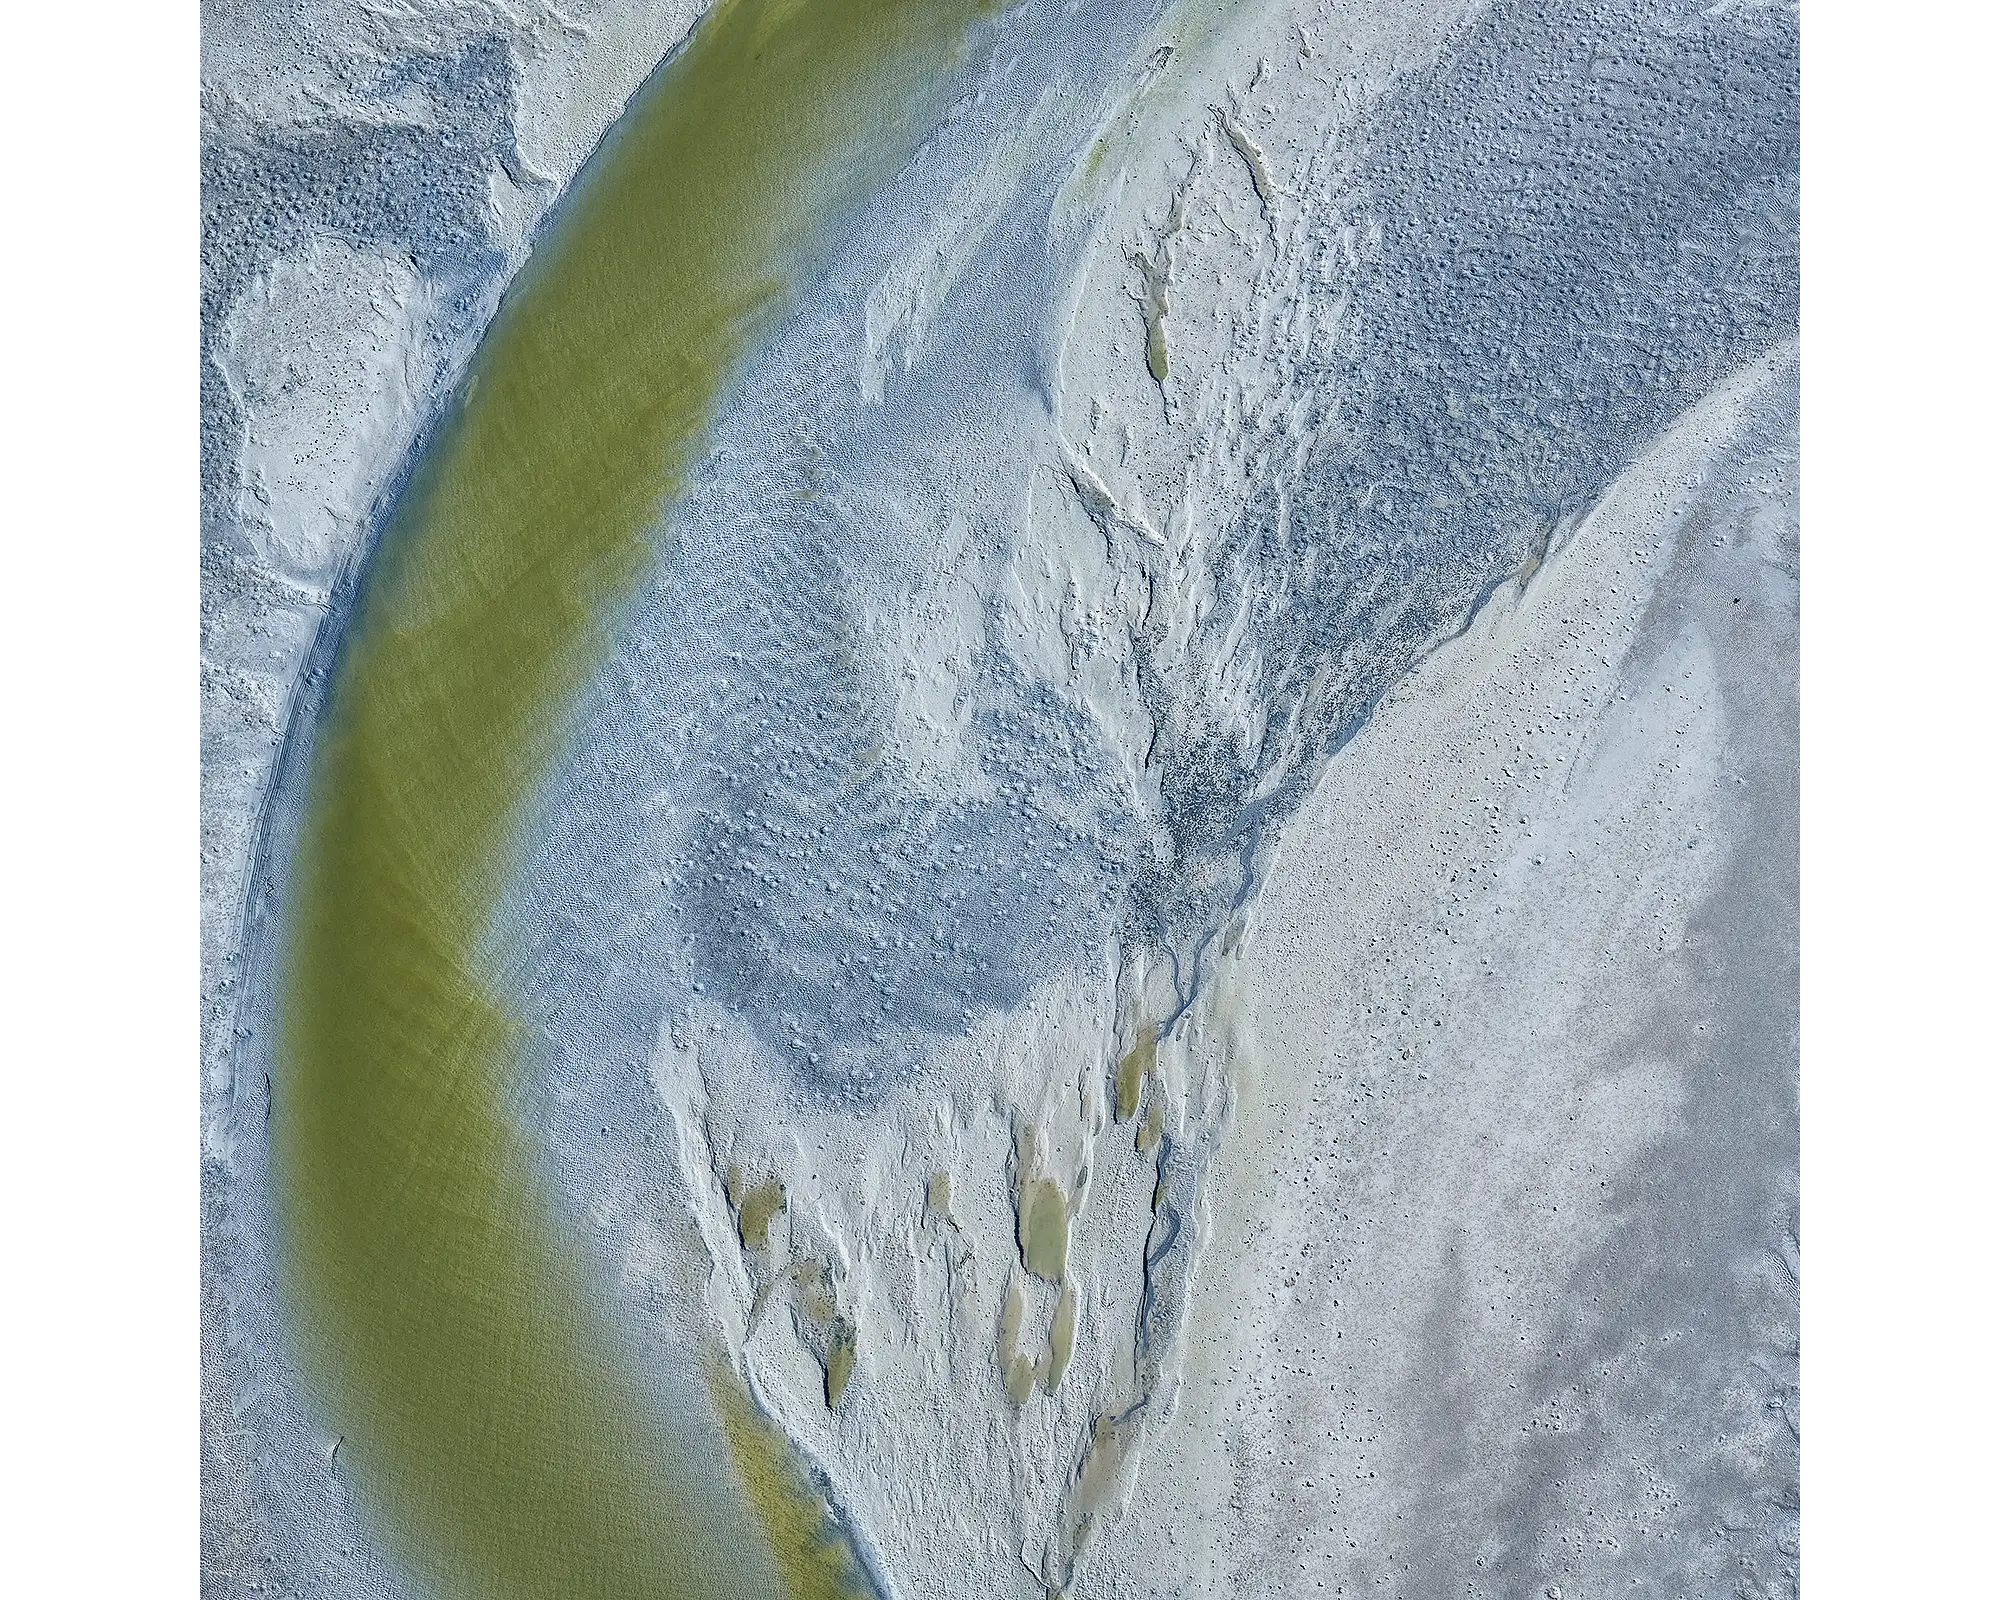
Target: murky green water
444 1312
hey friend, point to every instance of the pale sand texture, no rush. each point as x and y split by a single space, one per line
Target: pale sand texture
1446 1244
1500 1288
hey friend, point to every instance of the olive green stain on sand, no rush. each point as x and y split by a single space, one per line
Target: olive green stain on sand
1062 1338
839 1361
1017 1372
446 1311
812 1554
1043 1230
1133 1069
756 1212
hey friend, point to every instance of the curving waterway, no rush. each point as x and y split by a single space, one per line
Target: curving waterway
446 1323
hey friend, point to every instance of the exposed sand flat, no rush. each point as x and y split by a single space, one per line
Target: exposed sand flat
1498 1294
1162 944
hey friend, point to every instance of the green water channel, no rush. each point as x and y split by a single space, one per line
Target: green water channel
448 1316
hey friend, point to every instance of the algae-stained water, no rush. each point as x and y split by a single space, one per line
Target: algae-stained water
446 1321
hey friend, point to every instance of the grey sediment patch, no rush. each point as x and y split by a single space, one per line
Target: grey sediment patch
1488 376
1168 1260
